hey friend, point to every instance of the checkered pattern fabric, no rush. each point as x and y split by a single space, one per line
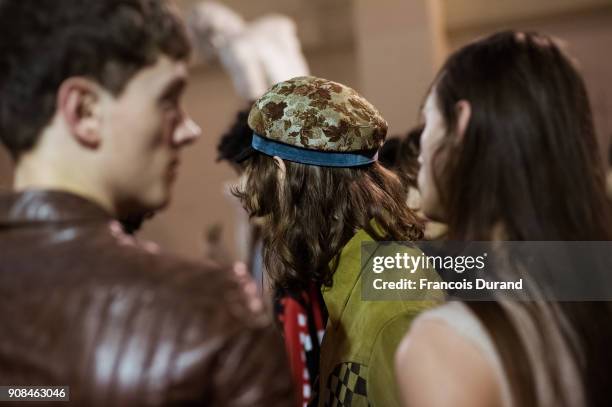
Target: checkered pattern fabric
347 386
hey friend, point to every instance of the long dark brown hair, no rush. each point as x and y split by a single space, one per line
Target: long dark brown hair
311 212
528 168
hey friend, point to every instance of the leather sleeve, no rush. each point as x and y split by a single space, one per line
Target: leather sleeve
254 372
254 369
244 363
201 349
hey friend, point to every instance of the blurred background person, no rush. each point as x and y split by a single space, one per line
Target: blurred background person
509 153
257 54
234 147
400 154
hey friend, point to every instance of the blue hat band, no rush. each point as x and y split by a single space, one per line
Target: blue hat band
312 157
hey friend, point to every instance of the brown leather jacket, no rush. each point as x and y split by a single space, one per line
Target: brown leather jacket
84 305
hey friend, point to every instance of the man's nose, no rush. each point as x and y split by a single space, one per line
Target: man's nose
187 132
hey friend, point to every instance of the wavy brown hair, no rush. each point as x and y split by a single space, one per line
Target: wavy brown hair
528 168
311 212
530 143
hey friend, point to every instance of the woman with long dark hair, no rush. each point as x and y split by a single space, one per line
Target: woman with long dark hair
509 154
314 181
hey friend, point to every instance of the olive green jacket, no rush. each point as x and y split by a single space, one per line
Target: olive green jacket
361 337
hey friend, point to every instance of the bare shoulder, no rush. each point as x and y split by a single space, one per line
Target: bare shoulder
438 367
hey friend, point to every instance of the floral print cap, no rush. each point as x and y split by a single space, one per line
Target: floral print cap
318 114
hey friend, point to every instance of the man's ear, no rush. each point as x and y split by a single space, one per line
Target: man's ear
79 104
464 114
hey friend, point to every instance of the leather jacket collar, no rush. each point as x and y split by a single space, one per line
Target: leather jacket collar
32 206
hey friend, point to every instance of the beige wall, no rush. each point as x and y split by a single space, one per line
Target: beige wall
399 45
471 13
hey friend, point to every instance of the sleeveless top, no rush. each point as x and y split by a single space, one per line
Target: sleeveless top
361 337
462 320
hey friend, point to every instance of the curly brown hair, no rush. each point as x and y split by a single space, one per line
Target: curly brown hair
44 42
311 212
